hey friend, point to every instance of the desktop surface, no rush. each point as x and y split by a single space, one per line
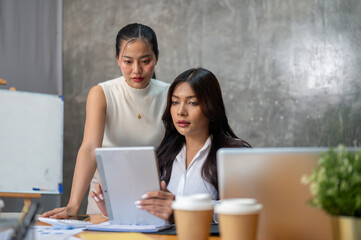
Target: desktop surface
98 218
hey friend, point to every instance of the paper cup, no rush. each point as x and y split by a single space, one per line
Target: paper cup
238 218
193 216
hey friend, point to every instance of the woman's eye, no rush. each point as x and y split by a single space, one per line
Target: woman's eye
146 61
174 102
193 103
127 61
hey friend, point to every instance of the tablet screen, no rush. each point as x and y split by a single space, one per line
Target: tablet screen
126 174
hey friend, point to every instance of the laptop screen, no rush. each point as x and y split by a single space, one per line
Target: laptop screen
273 177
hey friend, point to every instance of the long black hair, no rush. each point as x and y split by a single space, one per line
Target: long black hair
209 95
136 31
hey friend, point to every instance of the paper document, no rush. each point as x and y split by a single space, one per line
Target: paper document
65 223
106 226
49 232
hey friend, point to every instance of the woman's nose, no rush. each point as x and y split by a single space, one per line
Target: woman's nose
182 110
137 68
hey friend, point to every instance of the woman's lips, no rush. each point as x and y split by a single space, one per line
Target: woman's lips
138 79
183 123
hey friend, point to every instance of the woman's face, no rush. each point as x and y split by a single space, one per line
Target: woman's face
186 112
137 62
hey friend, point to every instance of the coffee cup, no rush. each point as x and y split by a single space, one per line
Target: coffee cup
238 218
193 216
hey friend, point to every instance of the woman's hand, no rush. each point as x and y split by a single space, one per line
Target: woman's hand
98 197
158 203
64 212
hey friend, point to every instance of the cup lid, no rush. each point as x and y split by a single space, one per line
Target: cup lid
195 202
238 206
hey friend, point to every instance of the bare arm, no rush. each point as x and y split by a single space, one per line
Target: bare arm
85 162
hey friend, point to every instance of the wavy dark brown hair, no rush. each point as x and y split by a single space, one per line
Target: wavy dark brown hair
209 96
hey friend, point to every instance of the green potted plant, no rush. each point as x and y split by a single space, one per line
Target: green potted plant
335 184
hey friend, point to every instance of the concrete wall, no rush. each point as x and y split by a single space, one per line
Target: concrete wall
289 70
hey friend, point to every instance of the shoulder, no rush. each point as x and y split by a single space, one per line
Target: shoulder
96 93
96 100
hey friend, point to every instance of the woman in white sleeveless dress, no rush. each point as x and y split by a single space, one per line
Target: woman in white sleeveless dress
126 111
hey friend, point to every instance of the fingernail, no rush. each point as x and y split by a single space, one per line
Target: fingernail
138 206
144 196
137 202
101 196
96 199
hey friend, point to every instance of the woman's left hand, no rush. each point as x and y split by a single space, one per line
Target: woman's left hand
158 203
98 197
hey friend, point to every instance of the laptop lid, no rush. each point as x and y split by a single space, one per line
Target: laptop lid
273 177
126 174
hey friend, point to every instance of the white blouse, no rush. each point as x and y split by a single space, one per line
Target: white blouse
189 181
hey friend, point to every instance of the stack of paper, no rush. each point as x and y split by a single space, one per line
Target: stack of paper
106 226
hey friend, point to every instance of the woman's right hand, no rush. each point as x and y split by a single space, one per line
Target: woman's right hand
63 212
98 197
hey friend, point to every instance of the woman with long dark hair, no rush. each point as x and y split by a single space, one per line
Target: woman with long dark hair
196 127
204 95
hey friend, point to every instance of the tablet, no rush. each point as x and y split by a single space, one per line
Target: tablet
126 174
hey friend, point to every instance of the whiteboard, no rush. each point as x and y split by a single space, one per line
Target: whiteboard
31 142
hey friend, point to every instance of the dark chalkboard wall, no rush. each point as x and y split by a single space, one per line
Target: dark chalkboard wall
289 70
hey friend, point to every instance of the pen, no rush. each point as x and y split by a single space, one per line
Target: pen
40 189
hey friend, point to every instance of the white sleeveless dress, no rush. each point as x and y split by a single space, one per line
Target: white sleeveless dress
122 126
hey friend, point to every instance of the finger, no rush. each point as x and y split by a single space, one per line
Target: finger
60 215
158 194
99 200
164 206
99 191
47 214
163 186
163 215
154 201
156 208
52 212
95 196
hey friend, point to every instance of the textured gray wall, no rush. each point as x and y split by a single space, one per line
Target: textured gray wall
289 70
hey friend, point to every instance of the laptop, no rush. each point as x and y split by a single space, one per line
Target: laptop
273 177
126 174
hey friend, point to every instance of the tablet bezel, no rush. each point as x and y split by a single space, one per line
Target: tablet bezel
126 174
